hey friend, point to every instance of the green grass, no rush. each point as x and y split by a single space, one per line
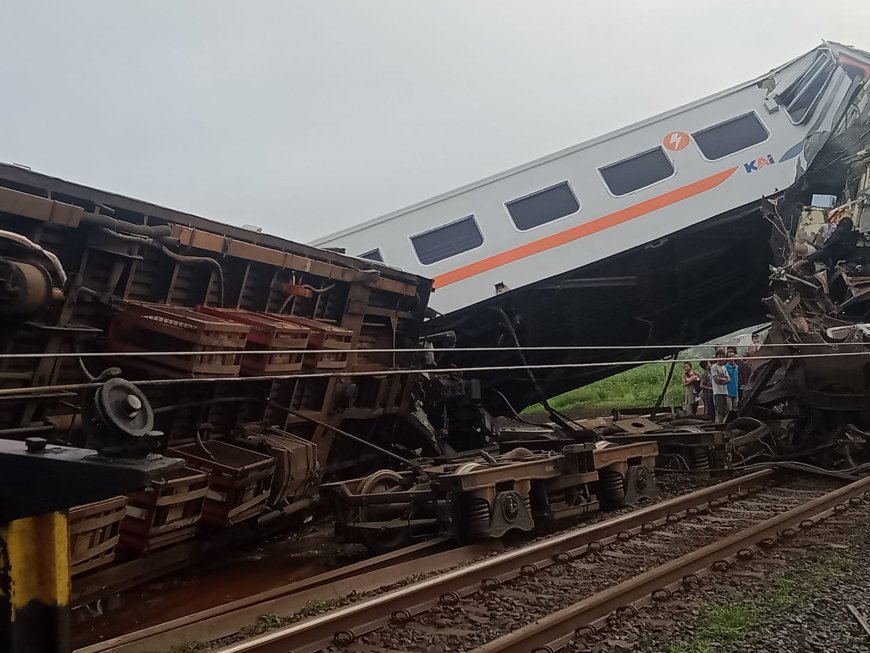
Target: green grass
720 624
633 388
730 622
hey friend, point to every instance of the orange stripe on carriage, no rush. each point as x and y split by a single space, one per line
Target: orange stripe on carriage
582 230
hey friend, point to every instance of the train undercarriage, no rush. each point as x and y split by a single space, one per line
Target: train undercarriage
286 381
472 497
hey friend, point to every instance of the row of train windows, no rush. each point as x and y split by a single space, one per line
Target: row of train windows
559 201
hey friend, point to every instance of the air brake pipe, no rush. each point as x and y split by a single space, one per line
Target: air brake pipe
416 467
785 464
122 226
130 238
142 239
555 415
182 258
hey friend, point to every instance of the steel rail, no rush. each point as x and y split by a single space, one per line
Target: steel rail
345 625
551 633
228 618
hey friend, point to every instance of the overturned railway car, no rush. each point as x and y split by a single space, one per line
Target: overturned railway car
129 328
272 369
89 271
659 234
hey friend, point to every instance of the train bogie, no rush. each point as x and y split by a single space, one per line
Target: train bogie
487 496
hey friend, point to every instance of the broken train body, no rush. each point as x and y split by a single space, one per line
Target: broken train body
657 234
814 386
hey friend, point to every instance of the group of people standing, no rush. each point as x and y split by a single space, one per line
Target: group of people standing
717 387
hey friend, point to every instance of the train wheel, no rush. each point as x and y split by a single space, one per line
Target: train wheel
674 462
387 539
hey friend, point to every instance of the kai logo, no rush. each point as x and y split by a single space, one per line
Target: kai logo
759 163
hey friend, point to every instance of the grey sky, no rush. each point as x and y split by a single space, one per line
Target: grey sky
307 117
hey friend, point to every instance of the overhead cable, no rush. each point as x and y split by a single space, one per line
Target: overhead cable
36 390
421 350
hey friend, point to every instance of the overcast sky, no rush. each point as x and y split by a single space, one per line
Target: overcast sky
307 117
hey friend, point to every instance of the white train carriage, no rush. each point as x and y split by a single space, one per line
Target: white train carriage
623 190
658 234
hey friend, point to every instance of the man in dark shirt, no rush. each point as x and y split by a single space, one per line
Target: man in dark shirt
839 246
707 392
744 370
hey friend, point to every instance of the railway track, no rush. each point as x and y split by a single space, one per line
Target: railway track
561 630
373 575
232 616
540 596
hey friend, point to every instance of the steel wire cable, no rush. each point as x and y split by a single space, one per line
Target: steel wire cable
36 390
423 350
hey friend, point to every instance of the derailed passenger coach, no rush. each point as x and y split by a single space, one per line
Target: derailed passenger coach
657 234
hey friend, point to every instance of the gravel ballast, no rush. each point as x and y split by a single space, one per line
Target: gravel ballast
791 598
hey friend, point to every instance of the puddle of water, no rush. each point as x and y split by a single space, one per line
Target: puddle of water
234 575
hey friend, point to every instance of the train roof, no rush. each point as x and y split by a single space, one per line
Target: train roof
846 54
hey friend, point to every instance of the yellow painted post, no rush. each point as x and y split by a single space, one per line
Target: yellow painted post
35 585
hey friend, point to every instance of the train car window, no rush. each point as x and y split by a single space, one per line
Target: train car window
373 255
543 207
801 97
731 136
449 240
637 172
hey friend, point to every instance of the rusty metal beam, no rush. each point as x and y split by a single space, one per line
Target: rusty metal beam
39 208
226 245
